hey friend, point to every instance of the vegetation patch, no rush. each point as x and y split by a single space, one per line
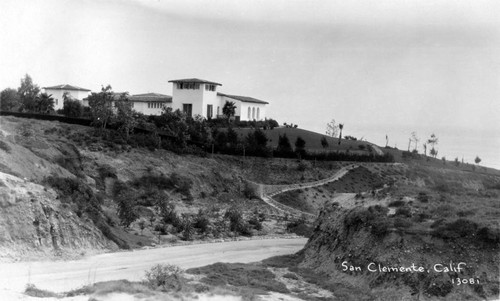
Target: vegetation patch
240 275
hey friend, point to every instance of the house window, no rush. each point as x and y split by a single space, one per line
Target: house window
249 112
188 86
187 108
209 87
258 113
253 113
210 111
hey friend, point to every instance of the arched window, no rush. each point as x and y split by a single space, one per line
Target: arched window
253 113
258 113
249 112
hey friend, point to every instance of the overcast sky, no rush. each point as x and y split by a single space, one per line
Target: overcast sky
379 67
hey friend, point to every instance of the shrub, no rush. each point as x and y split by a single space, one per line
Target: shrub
202 222
423 197
165 277
397 203
72 108
402 223
255 223
300 227
373 216
106 171
404 211
33 291
380 226
456 229
490 236
4 146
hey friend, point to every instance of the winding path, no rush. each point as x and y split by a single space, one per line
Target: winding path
266 192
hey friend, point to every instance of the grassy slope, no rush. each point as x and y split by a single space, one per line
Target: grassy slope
313 140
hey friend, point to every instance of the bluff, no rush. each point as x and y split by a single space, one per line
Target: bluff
34 223
351 246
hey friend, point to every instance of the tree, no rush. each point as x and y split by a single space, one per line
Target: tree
126 209
71 107
341 127
28 93
232 137
284 148
229 109
9 100
324 142
44 104
477 160
457 163
332 129
125 115
433 140
100 107
433 152
175 124
386 140
300 145
415 139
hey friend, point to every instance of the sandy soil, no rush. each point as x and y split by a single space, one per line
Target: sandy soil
67 275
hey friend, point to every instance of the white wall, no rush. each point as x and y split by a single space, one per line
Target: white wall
185 96
142 107
57 95
242 109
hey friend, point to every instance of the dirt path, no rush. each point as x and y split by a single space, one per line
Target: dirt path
66 275
268 191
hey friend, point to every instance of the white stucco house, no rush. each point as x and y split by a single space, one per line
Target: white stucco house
75 92
150 103
192 96
196 96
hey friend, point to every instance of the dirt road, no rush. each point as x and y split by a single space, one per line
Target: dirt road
66 275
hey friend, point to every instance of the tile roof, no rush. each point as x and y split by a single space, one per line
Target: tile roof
193 80
66 87
243 98
150 97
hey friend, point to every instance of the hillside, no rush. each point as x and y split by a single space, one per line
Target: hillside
66 192
429 217
93 180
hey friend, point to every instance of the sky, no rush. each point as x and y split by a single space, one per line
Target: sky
379 67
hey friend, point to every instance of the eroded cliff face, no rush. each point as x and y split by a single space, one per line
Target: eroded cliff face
34 223
349 252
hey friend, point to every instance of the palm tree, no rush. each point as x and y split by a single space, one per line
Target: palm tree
341 126
229 109
44 103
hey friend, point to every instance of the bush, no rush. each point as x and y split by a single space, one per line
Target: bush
402 223
165 277
72 108
374 217
202 222
423 197
380 227
300 227
456 229
404 211
397 203
4 146
255 223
